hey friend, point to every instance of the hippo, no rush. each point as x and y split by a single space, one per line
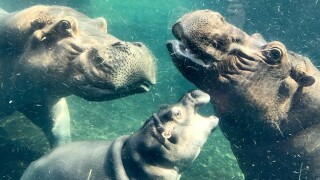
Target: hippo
51 52
167 143
267 97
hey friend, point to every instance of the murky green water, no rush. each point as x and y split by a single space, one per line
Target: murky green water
149 22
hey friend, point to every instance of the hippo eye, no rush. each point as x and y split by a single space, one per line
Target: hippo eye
176 113
275 54
64 26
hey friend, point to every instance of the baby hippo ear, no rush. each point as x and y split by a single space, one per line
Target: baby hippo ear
301 77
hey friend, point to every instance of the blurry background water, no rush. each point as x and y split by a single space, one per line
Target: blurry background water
294 22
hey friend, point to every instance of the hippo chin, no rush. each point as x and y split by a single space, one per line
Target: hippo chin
162 148
50 52
267 97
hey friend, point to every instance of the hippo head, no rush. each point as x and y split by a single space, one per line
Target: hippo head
246 76
61 51
180 131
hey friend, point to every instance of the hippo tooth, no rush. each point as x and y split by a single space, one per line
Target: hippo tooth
43 38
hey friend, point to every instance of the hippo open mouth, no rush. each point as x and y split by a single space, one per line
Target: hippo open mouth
181 51
208 47
174 121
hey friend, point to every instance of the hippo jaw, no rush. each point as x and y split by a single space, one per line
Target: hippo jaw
73 54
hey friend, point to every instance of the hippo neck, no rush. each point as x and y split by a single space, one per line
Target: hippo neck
16 96
298 150
286 157
302 113
143 158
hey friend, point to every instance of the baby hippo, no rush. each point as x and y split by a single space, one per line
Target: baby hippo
162 148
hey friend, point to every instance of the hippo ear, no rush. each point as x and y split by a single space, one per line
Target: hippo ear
101 23
259 40
301 77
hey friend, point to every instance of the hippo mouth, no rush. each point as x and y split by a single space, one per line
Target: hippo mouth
97 93
180 51
192 65
219 62
163 129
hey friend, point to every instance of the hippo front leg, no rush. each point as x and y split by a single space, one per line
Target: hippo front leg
53 119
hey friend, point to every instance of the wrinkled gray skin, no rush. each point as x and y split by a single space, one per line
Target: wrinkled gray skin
50 52
162 148
267 97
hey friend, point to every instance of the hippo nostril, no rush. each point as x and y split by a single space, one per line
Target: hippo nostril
77 48
200 97
193 94
139 44
196 93
119 43
177 31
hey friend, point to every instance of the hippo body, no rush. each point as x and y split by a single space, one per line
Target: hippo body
162 148
50 52
266 97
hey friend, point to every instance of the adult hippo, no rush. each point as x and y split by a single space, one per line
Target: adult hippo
167 143
50 52
267 97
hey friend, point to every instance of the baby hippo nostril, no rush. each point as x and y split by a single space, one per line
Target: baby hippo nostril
200 97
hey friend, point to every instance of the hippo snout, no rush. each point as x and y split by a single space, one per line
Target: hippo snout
200 97
184 115
120 68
